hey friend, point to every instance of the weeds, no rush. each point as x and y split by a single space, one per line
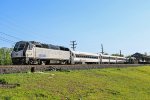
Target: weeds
3 81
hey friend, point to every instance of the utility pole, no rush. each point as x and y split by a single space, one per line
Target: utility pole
102 49
73 45
120 53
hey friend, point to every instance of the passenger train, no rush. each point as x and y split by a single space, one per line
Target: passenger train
31 52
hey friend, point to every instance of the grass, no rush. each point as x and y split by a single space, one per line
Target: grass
132 83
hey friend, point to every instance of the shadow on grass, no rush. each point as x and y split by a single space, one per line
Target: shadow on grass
41 95
5 84
113 92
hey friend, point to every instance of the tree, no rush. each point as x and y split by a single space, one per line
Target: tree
145 53
5 56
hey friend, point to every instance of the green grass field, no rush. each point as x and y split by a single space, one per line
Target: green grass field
132 83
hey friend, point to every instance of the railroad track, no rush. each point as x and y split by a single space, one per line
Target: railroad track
6 69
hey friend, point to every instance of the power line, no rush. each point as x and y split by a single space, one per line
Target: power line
7 40
12 22
10 36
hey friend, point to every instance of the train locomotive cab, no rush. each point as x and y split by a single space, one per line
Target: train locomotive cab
18 54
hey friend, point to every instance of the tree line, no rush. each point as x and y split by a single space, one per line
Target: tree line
5 56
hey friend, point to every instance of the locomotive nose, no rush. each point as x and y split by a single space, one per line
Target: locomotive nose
17 54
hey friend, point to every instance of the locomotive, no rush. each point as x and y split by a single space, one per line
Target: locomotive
31 52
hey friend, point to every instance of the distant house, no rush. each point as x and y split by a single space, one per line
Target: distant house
141 58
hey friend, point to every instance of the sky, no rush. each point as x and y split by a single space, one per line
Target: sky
117 24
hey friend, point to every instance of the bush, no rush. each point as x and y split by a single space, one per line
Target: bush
5 56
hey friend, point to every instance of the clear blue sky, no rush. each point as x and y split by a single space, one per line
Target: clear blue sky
117 24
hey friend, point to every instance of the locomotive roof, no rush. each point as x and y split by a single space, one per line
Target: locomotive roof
85 53
50 46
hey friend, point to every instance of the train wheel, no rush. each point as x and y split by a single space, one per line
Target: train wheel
30 62
40 62
43 62
47 62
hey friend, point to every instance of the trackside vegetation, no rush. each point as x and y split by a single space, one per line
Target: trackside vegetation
5 56
132 83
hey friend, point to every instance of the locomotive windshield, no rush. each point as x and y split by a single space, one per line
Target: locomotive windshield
19 46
